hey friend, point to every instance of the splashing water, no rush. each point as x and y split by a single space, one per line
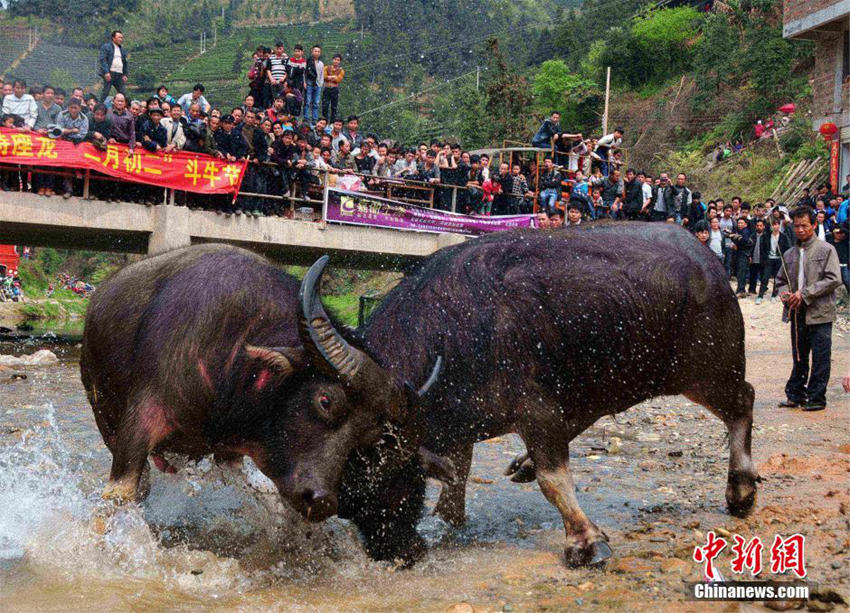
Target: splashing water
209 534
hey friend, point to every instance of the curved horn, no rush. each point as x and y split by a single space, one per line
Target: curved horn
435 374
326 346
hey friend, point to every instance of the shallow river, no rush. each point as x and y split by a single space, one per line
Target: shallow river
221 539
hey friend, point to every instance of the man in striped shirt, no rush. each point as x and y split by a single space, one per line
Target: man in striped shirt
277 69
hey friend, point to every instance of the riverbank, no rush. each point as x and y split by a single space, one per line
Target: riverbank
60 313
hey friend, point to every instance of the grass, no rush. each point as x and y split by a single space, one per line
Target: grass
344 308
223 68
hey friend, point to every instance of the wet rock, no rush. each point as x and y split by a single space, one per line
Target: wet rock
42 357
817 605
18 376
461 607
481 480
784 605
675 454
675 565
824 593
630 565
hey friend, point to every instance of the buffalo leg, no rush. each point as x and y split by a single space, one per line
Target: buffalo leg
451 506
586 544
733 404
139 431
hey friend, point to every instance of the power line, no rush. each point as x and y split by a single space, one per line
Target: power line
417 94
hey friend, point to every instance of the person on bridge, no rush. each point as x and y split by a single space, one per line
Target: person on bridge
548 130
21 104
112 65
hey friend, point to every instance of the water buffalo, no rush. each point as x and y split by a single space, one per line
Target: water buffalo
542 334
211 349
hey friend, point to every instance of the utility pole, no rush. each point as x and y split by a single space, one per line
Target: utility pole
215 35
607 96
203 42
477 78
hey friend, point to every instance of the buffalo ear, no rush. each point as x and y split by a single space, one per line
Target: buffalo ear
284 361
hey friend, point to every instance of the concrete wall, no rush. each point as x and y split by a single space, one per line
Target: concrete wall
801 16
28 219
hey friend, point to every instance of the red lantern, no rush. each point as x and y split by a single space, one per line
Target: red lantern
829 130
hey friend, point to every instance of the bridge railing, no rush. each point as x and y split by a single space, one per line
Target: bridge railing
415 192
401 189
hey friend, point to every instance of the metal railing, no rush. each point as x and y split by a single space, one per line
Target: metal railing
412 191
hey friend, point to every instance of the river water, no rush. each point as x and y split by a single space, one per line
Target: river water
213 539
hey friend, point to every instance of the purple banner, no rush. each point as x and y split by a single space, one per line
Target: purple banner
365 210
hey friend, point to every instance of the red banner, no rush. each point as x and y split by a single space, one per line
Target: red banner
834 163
191 172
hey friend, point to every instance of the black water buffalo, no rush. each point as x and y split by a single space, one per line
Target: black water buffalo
210 349
543 333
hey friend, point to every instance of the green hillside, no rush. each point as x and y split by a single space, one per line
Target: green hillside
223 68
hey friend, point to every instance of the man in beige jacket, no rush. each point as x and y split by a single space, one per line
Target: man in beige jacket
807 281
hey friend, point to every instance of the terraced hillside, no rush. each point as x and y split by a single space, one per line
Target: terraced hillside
223 68
60 65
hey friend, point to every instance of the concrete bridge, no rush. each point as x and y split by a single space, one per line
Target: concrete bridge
29 219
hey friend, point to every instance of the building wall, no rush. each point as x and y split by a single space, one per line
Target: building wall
827 105
801 15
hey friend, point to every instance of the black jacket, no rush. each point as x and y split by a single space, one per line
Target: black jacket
634 197
784 244
232 144
842 248
260 146
550 180
105 57
311 74
743 240
156 133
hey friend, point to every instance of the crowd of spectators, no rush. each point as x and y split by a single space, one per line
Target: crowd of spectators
10 285
289 129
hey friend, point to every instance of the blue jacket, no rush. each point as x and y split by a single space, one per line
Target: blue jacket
107 54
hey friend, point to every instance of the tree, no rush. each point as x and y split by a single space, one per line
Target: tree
551 81
508 99
579 100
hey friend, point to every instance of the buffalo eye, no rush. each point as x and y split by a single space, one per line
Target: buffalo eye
325 407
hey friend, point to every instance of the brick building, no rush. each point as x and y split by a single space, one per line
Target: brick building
827 22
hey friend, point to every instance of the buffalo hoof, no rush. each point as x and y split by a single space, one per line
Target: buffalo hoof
741 494
741 507
594 554
120 492
521 469
450 513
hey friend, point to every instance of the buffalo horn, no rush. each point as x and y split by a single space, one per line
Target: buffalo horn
328 349
435 374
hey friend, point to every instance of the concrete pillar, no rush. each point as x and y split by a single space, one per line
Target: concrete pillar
171 229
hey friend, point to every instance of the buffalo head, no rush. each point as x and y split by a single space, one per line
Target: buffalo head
333 398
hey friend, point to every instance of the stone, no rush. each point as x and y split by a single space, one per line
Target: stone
675 565
630 565
43 357
461 607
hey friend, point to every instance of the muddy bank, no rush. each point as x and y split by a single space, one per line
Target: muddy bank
652 478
